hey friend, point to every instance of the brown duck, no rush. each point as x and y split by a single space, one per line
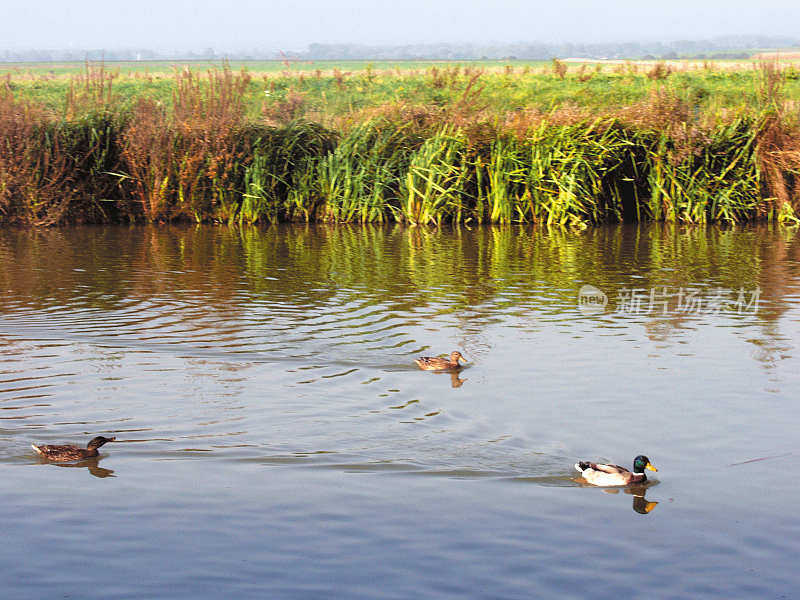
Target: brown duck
437 363
69 453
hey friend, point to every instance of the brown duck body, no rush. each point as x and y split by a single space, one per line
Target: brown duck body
67 453
609 475
437 363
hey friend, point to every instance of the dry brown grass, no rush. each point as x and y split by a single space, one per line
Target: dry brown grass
778 139
179 160
293 106
779 56
90 90
659 71
147 145
559 68
35 174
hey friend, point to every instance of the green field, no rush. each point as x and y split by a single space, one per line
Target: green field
561 143
337 87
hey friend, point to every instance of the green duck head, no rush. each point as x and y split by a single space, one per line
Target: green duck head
640 463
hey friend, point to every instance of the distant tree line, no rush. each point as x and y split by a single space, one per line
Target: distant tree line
98 54
719 47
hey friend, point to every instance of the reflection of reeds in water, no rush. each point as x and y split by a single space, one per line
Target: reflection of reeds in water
215 279
475 263
401 266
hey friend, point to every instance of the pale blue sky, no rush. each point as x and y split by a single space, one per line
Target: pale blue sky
269 24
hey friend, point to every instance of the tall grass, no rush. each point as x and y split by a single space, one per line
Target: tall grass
279 182
358 179
433 188
203 154
52 169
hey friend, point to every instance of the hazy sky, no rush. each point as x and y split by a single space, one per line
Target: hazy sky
269 24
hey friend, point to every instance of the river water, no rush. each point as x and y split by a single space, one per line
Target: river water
275 439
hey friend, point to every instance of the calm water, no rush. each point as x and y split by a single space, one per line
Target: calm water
276 441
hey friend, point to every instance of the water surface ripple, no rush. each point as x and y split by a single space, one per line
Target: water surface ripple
276 440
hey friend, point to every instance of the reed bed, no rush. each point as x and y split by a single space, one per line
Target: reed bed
205 154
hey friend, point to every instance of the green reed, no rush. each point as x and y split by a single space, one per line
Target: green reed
278 181
358 179
506 194
433 189
204 157
716 178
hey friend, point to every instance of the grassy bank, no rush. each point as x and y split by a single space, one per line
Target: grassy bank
554 144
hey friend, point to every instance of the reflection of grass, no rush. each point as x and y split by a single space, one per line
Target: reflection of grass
547 144
399 267
255 279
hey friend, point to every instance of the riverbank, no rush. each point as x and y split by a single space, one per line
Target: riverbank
454 145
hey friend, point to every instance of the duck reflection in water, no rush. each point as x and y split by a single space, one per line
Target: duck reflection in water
455 380
92 464
641 504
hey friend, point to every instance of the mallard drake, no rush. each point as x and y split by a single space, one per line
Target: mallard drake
69 453
437 363
600 474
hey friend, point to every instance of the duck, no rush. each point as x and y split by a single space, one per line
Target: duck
437 363
607 475
69 453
